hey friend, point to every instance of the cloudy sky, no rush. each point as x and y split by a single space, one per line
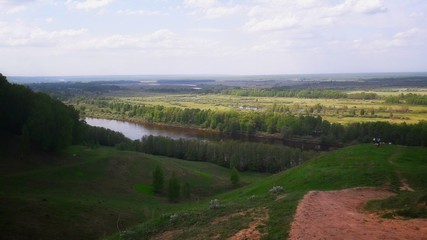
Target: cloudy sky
103 37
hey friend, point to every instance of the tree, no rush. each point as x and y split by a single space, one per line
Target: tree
234 178
186 190
174 189
158 180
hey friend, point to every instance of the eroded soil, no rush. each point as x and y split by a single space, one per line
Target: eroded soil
339 215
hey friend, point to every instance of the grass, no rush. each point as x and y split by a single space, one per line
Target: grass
333 110
90 193
355 166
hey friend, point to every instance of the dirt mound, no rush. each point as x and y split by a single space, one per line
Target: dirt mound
339 215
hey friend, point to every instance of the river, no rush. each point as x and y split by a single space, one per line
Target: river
136 131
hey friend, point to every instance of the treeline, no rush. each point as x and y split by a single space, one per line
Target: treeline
231 122
298 93
45 123
244 156
289 126
403 134
410 98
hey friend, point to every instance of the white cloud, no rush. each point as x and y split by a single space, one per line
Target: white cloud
272 24
19 34
413 37
410 33
87 4
10 7
162 42
368 6
211 8
139 12
16 9
270 15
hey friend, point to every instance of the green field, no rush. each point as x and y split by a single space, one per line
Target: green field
356 166
90 193
334 110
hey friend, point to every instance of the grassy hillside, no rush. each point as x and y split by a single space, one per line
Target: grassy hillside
87 193
355 166
91 193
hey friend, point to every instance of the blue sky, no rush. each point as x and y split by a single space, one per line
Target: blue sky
103 37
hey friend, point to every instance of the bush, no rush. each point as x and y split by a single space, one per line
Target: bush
276 190
173 218
214 204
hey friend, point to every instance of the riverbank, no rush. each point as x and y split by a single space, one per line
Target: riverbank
177 131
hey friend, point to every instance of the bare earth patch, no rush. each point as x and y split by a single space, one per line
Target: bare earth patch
222 219
168 235
252 232
339 215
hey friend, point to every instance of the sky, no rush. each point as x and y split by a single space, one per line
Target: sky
252 37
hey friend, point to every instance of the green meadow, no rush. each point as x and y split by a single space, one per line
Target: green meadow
334 110
355 166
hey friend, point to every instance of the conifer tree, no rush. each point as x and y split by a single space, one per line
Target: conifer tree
158 180
174 189
234 178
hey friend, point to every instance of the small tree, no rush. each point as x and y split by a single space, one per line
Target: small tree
186 190
234 177
174 189
158 180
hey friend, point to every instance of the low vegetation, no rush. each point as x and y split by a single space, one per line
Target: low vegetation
356 166
85 193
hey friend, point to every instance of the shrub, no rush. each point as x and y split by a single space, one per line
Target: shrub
173 218
214 204
276 190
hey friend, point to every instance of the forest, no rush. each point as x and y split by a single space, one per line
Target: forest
43 123
244 156
288 126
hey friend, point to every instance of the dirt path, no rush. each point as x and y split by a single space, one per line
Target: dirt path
404 186
338 215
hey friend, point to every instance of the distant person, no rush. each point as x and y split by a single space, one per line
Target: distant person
376 141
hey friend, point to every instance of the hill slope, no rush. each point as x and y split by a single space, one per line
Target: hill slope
89 193
254 211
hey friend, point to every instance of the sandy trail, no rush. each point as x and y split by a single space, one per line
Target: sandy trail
338 215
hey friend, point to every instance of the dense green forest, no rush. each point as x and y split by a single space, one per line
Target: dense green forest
43 123
244 156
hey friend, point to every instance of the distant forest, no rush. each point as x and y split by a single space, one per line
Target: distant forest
289 126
